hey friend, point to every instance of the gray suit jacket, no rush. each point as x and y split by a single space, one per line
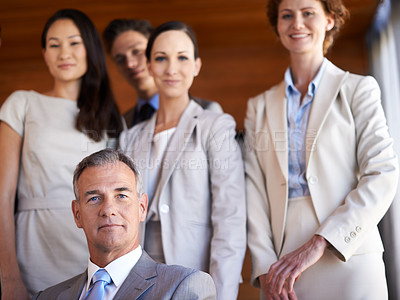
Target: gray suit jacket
132 115
147 280
200 195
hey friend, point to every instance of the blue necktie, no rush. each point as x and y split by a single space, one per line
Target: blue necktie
146 111
100 279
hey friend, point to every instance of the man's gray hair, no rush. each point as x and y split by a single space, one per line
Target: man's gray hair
107 157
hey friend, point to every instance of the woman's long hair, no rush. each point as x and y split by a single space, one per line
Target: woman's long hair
98 113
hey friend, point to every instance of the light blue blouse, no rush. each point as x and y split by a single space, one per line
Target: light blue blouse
298 113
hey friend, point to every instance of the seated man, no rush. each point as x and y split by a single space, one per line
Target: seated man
126 41
109 206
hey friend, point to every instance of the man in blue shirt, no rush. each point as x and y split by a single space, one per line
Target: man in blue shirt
110 205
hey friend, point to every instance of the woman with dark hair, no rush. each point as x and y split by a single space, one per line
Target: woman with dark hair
320 168
43 136
192 169
97 109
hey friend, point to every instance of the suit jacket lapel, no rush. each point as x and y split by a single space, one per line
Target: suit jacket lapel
178 143
143 147
141 156
138 281
276 112
74 291
325 95
276 107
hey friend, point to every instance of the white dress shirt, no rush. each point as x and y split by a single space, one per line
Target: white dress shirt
118 270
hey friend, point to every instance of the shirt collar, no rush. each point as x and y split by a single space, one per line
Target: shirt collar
153 102
312 87
117 269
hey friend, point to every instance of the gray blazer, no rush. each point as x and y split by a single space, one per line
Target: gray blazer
132 115
147 280
200 195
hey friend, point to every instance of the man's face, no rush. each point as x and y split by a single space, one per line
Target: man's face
109 210
128 52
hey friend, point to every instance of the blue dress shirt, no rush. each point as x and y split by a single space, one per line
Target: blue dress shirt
298 113
154 101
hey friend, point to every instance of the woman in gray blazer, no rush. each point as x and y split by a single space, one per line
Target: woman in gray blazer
320 168
192 169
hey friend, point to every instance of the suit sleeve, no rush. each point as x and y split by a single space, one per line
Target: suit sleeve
228 207
196 286
259 233
349 226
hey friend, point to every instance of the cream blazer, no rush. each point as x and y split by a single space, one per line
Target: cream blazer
351 167
200 194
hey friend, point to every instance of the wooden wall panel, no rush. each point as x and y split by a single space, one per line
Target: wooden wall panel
241 56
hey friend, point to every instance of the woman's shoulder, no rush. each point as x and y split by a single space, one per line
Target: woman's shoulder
30 99
213 124
361 79
25 93
353 87
354 83
18 100
209 117
276 91
25 96
128 136
20 95
208 104
14 110
351 79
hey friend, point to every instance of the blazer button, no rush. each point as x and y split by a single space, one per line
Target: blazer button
313 179
347 239
164 208
358 229
353 234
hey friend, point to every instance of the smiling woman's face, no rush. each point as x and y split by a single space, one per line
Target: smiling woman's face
172 63
302 25
65 52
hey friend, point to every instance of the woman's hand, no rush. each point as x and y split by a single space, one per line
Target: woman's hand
282 275
268 295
